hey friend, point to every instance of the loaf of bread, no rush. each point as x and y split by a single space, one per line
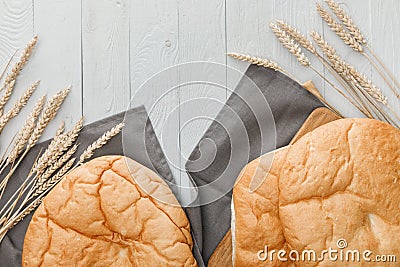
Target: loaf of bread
337 187
107 213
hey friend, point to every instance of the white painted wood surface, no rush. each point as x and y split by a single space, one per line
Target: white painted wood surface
106 49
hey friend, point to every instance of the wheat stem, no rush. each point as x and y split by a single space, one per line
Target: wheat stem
377 68
339 91
359 37
13 217
46 116
341 67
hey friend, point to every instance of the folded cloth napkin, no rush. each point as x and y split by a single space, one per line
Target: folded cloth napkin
290 105
140 143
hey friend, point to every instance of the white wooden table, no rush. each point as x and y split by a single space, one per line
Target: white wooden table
107 48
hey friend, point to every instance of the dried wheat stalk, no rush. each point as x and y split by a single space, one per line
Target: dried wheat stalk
295 49
60 143
266 63
7 94
347 21
66 141
89 152
21 63
28 210
60 128
17 106
343 68
339 30
297 36
289 44
360 82
8 64
357 35
368 86
26 131
47 115
46 178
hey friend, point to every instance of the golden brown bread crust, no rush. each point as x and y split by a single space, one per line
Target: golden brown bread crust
256 214
341 181
99 216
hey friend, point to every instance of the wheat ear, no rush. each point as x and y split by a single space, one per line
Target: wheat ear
356 33
355 78
66 140
46 178
347 71
17 106
297 36
289 44
7 65
53 180
60 143
19 216
347 21
47 115
89 152
21 63
346 37
7 94
26 131
266 63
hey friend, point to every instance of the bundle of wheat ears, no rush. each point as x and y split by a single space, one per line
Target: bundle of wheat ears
355 87
53 162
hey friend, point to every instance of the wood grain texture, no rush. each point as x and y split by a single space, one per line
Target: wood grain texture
201 38
117 45
16 29
154 47
385 40
249 32
362 18
105 57
57 61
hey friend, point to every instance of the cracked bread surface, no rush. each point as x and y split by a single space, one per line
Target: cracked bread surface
340 181
107 213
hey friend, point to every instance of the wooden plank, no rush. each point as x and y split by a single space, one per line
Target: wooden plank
154 47
248 32
360 12
57 62
16 29
201 38
105 58
384 40
16 26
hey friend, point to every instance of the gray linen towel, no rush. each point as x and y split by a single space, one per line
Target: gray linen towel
140 143
290 104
